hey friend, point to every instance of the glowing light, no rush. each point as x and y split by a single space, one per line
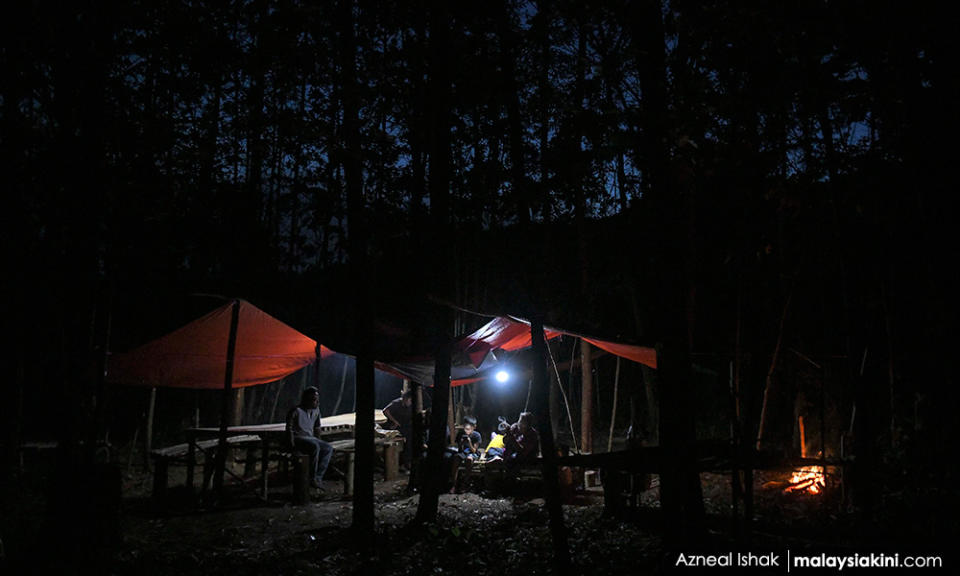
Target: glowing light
502 376
808 478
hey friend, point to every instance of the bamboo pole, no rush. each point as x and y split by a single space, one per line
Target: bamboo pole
566 403
773 365
586 398
276 399
239 407
148 437
196 408
613 411
343 383
227 398
133 448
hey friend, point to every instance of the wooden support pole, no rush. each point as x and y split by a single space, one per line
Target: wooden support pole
276 399
554 394
265 467
761 430
239 400
451 420
226 400
613 411
343 383
413 444
566 402
586 398
196 408
148 438
133 449
803 437
363 505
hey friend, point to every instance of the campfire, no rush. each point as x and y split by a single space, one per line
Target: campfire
808 478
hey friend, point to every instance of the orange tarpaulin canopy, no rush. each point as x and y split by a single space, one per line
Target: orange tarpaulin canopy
639 354
500 333
510 334
195 356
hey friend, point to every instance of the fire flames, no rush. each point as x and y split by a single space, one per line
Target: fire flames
809 479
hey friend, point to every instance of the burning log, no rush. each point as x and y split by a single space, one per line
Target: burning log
809 478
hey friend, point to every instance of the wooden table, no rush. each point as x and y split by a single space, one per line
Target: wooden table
269 435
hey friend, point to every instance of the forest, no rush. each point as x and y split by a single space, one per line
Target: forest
761 191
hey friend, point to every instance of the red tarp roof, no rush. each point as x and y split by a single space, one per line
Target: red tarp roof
509 334
500 333
195 355
514 334
640 354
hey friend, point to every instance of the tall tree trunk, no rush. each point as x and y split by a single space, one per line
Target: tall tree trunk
681 497
418 129
438 100
518 174
249 222
578 163
363 509
542 31
548 451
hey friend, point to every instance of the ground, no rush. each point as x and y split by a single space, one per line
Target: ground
476 533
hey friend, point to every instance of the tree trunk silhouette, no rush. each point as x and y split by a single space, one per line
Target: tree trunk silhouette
518 172
548 450
668 219
363 510
438 106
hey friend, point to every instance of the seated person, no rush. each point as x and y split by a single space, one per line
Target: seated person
303 434
495 448
468 450
521 442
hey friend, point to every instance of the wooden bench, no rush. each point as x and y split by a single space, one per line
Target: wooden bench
184 454
389 449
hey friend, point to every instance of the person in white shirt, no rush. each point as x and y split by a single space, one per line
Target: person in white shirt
303 431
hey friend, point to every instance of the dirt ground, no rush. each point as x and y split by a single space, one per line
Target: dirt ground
476 532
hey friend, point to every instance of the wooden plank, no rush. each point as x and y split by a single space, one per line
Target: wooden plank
328 424
183 449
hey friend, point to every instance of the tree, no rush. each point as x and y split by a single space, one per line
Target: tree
438 104
666 212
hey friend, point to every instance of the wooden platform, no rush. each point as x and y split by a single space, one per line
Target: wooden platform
185 454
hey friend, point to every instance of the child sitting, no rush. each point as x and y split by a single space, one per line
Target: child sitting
468 450
496 447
